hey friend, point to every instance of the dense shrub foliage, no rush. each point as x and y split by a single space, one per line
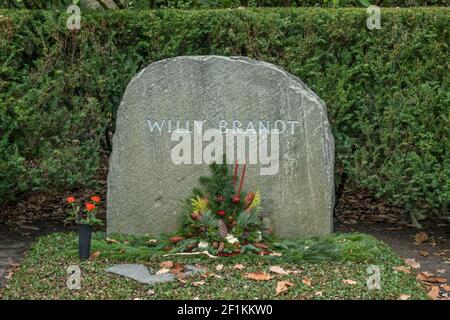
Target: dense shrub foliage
194 4
387 91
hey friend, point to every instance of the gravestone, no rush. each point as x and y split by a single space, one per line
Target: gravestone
188 95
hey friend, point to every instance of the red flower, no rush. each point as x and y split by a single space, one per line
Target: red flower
70 199
221 212
236 199
90 206
96 199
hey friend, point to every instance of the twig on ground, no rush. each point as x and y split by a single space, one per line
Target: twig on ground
191 253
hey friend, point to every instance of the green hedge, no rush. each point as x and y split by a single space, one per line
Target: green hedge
387 91
190 4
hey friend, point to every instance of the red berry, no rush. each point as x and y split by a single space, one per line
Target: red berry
221 212
236 199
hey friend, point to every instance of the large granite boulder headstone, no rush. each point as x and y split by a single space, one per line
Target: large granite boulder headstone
146 189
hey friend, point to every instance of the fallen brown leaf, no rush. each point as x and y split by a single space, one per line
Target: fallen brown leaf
278 270
283 286
163 270
404 297
306 281
199 283
258 276
412 263
275 254
111 240
177 268
403 269
421 237
349 281
166 264
424 253
433 293
446 287
295 271
94 255
430 278
239 266
219 267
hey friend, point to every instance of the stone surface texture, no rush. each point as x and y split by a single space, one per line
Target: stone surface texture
146 189
141 274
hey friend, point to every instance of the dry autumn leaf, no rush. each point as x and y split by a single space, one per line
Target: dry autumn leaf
446 287
349 281
163 271
239 266
177 268
433 293
404 297
421 237
278 270
412 263
306 281
199 283
258 276
430 278
94 255
403 269
295 271
166 264
275 254
219 267
424 253
283 286
111 240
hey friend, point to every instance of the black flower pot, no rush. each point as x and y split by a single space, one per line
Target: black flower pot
84 240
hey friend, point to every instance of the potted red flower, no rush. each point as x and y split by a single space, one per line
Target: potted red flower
84 218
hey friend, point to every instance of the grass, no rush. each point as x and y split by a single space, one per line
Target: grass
326 262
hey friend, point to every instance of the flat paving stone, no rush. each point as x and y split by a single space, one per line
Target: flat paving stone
141 273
